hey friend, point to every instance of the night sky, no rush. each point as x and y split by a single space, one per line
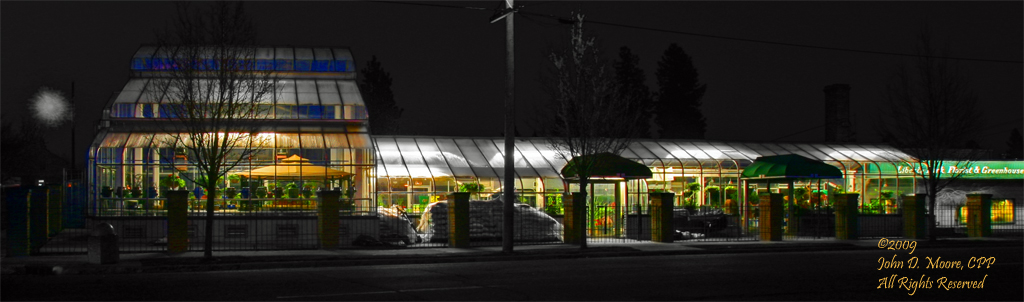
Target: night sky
448 64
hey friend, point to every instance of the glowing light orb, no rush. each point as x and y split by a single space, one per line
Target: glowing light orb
50 107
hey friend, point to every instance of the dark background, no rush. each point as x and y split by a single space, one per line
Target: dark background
448 64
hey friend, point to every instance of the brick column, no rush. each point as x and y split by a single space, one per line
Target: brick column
177 221
458 220
573 219
328 226
17 215
661 217
38 218
54 210
979 215
846 216
915 221
770 222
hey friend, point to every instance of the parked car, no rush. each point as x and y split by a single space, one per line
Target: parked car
703 220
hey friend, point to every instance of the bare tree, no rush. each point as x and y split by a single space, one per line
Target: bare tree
589 117
213 93
931 116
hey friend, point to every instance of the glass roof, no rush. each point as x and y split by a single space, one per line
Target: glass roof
284 59
483 157
312 140
323 92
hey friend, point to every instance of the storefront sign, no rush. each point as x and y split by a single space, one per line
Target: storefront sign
974 170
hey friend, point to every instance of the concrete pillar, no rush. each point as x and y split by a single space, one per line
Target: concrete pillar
328 226
458 220
17 215
915 222
661 217
847 223
177 221
103 247
770 222
38 218
979 215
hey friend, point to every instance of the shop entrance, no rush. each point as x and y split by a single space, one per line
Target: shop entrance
604 208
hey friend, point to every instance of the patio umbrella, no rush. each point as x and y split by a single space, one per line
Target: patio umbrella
294 167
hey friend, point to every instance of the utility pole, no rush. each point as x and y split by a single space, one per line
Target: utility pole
507 234
509 184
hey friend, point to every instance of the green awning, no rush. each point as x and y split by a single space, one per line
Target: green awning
790 166
609 165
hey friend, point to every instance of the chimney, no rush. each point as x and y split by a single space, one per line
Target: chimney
838 128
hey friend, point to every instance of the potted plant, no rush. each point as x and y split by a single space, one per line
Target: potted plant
293 190
278 191
234 178
261 192
106 192
230 193
307 190
172 182
713 195
473 188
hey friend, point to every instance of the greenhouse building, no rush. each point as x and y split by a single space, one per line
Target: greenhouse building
315 128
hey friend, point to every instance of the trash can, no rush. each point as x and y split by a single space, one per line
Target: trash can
103 245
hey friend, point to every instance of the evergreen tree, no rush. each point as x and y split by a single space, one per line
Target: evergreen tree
679 97
375 85
1015 145
631 86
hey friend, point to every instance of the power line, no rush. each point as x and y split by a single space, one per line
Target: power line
568 21
801 131
431 4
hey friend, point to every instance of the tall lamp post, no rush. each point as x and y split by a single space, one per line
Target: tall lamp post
508 215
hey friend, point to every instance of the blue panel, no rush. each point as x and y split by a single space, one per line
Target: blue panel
322 65
166 111
283 65
210 64
147 110
329 112
140 64
303 111
303 65
315 112
339 65
264 64
158 64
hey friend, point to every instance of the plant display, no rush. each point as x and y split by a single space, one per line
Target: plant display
307 190
731 200
553 204
713 195
293 190
471 187
172 181
691 192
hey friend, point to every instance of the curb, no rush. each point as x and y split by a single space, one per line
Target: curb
138 267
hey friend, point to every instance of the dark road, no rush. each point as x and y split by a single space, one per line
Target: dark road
841 275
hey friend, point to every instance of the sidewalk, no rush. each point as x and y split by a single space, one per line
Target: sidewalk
256 260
